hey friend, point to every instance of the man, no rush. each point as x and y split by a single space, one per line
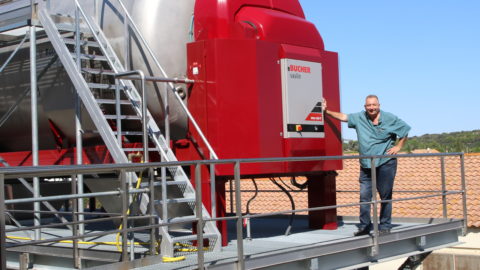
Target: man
377 133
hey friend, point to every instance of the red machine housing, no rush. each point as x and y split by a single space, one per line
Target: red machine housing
237 99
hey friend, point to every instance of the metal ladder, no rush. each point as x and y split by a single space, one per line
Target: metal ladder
87 91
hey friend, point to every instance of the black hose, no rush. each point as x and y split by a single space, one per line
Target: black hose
285 184
287 232
294 182
253 197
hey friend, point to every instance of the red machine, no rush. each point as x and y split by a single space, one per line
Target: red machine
262 72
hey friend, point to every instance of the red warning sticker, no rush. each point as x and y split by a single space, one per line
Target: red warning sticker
313 116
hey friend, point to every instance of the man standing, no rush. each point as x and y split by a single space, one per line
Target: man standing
377 133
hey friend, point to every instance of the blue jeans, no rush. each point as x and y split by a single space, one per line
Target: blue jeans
385 176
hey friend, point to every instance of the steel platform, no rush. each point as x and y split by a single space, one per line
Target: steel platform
15 14
268 248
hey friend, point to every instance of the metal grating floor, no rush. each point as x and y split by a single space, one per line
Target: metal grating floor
316 249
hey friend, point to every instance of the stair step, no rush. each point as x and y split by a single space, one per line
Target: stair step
113 101
128 133
98 71
85 56
177 200
192 237
123 117
71 27
191 218
158 183
138 149
102 86
72 41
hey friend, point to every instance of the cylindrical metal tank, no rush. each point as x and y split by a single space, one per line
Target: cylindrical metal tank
164 24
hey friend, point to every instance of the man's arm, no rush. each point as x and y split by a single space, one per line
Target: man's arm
337 115
395 149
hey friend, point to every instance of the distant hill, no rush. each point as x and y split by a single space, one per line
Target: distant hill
463 141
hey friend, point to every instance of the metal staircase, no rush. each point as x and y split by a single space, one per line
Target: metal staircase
93 81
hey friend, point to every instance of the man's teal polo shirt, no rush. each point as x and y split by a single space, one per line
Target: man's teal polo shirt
377 139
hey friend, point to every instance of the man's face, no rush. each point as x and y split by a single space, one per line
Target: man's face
372 107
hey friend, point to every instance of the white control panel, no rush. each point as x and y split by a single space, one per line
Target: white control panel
302 96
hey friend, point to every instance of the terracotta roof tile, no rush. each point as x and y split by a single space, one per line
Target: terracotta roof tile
413 174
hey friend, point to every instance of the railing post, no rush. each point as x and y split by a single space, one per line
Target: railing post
230 184
444 187
238 213
144 117
127 41
163 173
78 121
374 250
213 189
76 258
118 112
464 194
124 192
166 110
3 250
130 234
199 214
34 112
153 239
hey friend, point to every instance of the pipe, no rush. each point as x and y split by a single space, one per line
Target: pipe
199 215
78 122
464 194
374 250
34 112
238 214
3 250
444 189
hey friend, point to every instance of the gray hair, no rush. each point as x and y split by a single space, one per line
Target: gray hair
372 96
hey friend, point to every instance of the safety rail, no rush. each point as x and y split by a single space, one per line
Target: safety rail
124 191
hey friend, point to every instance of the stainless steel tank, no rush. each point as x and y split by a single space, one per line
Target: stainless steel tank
165 25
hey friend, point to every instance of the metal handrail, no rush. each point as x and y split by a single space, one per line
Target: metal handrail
141 77
15 172
44 171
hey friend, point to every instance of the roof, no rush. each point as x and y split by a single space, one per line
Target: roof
413 174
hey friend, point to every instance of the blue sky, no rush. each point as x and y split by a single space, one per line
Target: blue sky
422 58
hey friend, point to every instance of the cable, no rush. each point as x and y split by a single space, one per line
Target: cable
287 232
164 259
117 237
173 259
78 242
285 184
294 182
253 197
